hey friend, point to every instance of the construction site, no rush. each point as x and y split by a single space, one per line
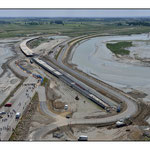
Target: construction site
61 85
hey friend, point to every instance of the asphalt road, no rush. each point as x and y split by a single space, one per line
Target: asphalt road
17 70
131 104
20 101
86 79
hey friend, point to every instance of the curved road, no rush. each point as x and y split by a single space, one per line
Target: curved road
60 121
131 104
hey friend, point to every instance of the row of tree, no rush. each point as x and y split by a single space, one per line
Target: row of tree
43 22
139 23
134 23
5 22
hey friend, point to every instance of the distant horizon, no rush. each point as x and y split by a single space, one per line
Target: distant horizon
74 13
78 17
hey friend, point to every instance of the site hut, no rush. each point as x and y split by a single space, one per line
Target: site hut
83 138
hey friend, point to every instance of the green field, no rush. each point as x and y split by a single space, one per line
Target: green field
19 27
119 48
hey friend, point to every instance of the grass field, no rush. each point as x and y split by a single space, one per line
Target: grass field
119 48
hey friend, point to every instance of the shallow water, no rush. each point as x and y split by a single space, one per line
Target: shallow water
93 57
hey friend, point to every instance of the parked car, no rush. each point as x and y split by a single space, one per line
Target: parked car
8 105
18 114
2 113
66 107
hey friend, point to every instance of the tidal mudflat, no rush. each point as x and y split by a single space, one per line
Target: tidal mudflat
94 58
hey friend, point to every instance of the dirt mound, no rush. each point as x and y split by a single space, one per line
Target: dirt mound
58 105
143 113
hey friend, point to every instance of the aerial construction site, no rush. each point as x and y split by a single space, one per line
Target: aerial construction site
74 79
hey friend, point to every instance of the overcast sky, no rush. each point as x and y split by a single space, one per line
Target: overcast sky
74 13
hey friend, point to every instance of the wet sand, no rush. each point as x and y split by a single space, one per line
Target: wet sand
7 83
5 53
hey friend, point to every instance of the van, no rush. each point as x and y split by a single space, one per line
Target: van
83 138
18 114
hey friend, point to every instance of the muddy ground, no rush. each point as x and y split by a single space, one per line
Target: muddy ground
138 130
128 133
8 82
8 78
